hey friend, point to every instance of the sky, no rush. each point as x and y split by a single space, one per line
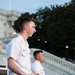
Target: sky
30 6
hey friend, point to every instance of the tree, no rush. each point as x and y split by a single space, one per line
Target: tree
58 28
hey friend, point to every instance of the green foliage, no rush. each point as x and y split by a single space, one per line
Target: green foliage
58 28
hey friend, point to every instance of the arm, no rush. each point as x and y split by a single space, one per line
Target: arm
34 73
12 66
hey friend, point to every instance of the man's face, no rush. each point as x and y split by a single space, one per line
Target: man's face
41 57
30 28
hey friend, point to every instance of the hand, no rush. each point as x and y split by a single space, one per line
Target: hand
34 73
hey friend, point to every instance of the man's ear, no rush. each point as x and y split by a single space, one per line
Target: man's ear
25 27
38 57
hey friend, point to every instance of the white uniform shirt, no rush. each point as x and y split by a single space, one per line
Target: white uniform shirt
37 67
18 49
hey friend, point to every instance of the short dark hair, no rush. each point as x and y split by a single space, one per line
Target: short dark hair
19 23
36 53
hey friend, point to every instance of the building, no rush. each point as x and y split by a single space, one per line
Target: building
53 65
7 19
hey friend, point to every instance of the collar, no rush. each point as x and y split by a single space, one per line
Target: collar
38 61
21 39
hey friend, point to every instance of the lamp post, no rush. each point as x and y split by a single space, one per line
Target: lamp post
67 51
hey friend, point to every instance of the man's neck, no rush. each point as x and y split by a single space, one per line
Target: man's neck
24 35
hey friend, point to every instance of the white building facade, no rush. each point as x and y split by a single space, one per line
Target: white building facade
7 19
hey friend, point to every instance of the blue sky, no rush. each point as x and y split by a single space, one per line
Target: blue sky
28 5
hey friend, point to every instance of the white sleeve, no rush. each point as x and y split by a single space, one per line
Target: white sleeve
35 68
13 50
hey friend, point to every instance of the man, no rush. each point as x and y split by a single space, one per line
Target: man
36 66
18 53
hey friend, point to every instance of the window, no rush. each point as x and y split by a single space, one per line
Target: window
4 24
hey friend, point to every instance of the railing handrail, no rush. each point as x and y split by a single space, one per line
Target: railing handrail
1 68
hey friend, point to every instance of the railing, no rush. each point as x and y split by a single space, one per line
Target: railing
3 68
3 71
3 12
9 13
13 13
